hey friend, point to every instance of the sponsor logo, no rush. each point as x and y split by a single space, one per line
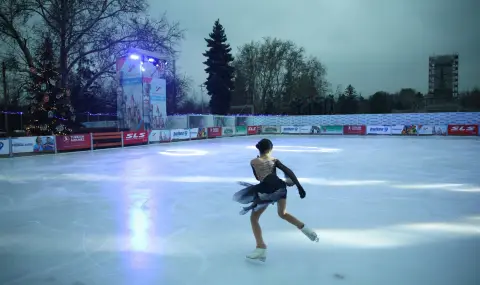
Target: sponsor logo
355 128
1 145
214 130
376 129
252 129
67 139
180 133
270 129
463 129
136 136
290 129
228 131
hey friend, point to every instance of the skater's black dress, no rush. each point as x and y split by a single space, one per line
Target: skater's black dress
270 189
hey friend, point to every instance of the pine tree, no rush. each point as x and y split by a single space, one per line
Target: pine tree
220 71
51 111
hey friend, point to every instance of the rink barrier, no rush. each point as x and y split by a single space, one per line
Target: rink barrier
17 146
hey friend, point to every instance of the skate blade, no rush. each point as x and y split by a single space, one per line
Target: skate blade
256 260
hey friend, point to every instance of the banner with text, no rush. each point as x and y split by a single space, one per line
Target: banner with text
289 130
214 132
397 129
462 130
410 130
159 136
379 130
131 138
33 144
354 130
270 130
180 134
4 146
73 142
425 130
241 130
198 133
228 131
253 130
440 130
331 130
305 130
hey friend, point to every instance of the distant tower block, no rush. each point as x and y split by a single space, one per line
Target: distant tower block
443 76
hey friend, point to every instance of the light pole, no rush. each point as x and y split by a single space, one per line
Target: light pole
5 95
201 95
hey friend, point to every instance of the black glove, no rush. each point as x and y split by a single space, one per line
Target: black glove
302 193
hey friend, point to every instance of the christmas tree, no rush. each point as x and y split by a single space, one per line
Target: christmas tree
220 70
51 111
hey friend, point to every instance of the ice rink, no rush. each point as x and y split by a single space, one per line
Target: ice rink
388 211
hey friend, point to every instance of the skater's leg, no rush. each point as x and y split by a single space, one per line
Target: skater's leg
282 213
257 230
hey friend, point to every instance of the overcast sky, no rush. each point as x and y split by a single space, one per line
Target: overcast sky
371 44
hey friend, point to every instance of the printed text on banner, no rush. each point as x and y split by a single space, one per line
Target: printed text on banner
180 134
252 130
289 130
131 138
354 130
214 132
378 130
73 142
462 130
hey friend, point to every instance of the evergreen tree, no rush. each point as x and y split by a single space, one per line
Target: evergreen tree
51 111
220 71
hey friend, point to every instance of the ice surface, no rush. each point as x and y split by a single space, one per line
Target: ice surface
388 210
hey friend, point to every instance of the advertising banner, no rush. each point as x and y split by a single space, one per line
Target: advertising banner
252 130
156 89
462 130
354 130
379 130
410 130
214 132
440 130
73 142
4 146
425 130
180 134
397 130
316 130
331 130
289 130
159 136
228 131
33 144
270 130
241 130
198 133
131 138
305 130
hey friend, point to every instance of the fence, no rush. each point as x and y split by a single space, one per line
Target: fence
55 144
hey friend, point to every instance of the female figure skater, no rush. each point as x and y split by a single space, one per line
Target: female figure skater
270 190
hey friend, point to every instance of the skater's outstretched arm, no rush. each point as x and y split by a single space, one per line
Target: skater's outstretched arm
288 172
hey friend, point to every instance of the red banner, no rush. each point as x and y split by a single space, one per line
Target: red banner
252 130
214 132
462 130
354 130
130 138
73 142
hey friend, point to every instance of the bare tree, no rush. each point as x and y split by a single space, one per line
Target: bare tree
97 31
278 77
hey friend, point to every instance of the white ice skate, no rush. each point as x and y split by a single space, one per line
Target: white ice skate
259 254
310 234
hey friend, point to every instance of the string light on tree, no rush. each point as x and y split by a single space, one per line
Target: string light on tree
51 111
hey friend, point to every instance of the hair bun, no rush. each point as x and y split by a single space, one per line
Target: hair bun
257 146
